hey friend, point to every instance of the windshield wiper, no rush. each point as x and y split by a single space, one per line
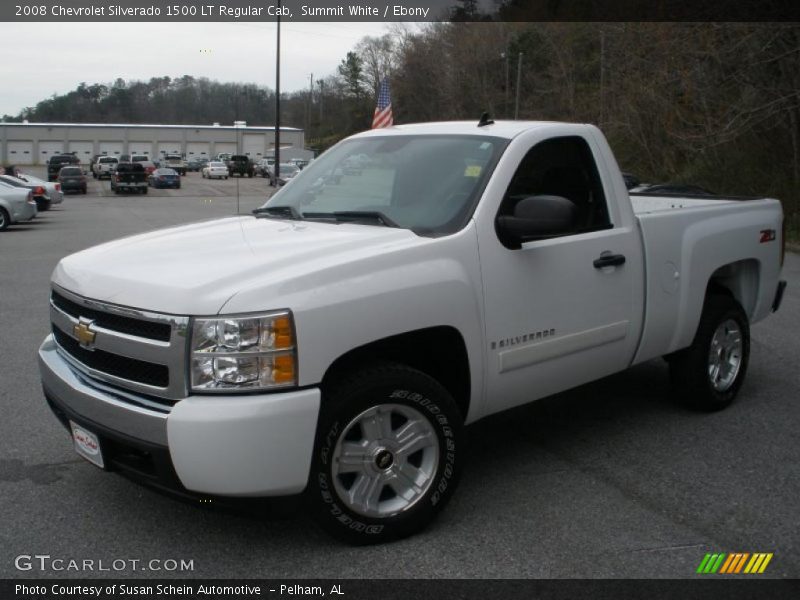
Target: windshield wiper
279 211
347 216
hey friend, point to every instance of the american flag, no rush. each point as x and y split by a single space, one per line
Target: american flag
383 111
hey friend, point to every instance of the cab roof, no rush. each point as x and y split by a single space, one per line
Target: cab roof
501 129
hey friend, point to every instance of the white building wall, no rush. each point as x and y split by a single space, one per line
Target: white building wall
19 153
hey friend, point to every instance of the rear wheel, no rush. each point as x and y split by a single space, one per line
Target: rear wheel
387 454
708 374
5 220
144 190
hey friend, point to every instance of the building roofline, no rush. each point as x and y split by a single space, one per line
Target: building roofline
155 125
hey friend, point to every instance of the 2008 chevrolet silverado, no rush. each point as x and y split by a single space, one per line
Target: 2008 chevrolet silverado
337 341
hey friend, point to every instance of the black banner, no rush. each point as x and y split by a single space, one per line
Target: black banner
398 10
707 588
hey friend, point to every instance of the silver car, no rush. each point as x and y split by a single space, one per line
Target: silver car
53 188
16 205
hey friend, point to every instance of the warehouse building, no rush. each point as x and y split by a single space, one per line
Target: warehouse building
35 143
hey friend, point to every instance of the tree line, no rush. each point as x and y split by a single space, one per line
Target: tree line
717 105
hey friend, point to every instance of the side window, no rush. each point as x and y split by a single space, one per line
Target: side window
562 167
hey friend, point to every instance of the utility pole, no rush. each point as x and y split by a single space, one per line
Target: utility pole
310 103
504 55
602 77
277 154
519 78
321 84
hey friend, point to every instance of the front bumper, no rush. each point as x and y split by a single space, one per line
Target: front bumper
252 445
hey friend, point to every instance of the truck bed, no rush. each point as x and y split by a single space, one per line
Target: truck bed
644 203
685 240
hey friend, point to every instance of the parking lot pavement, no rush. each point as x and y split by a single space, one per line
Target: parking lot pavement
609 480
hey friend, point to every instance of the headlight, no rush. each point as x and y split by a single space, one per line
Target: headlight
243 353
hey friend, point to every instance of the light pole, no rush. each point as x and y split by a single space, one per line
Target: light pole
277 169
504 55
519 77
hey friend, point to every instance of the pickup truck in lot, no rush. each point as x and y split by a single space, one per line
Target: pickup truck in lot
104 166
55 163
174 162
129 177
241 165
337 341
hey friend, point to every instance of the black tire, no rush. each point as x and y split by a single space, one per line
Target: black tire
5 219
694 379
397 389
144 190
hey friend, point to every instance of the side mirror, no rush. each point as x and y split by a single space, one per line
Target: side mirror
536 218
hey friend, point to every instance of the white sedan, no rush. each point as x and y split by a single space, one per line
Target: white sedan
215 169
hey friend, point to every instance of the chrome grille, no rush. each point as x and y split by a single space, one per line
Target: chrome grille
132 349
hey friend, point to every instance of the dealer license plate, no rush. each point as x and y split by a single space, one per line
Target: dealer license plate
87 445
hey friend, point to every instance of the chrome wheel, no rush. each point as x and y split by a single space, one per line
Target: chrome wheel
725 355
385 460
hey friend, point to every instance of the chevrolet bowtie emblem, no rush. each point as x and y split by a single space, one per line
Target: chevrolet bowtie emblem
83 334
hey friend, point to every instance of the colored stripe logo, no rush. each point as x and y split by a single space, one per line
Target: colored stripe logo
735 563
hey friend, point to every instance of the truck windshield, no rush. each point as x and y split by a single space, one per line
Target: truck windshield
426 183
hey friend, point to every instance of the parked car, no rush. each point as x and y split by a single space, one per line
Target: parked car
72 179
56 162
215 170
300 163
16 205
52 188
148 165
263 167
241 165
140 158
286 172
43 201
164 178
505 263
196 163
93 161
129 177
174 162
104 167
223 156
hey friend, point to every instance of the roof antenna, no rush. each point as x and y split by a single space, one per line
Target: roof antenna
485 120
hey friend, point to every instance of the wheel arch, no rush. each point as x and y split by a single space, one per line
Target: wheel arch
739 279
439 352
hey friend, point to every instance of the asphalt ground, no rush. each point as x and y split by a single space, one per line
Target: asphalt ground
609 480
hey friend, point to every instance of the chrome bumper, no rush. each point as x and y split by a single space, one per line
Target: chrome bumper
105 408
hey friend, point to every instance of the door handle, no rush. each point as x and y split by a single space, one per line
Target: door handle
609 260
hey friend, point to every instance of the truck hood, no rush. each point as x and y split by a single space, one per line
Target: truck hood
195 269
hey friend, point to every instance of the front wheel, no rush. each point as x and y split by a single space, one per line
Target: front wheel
5 219
387 454
708 374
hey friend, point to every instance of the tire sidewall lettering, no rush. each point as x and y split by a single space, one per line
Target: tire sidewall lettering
446 468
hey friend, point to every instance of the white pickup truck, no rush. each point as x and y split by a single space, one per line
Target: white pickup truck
337 341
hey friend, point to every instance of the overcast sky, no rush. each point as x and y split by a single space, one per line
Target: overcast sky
40 59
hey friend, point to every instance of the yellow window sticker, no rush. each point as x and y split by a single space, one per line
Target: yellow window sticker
473 171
